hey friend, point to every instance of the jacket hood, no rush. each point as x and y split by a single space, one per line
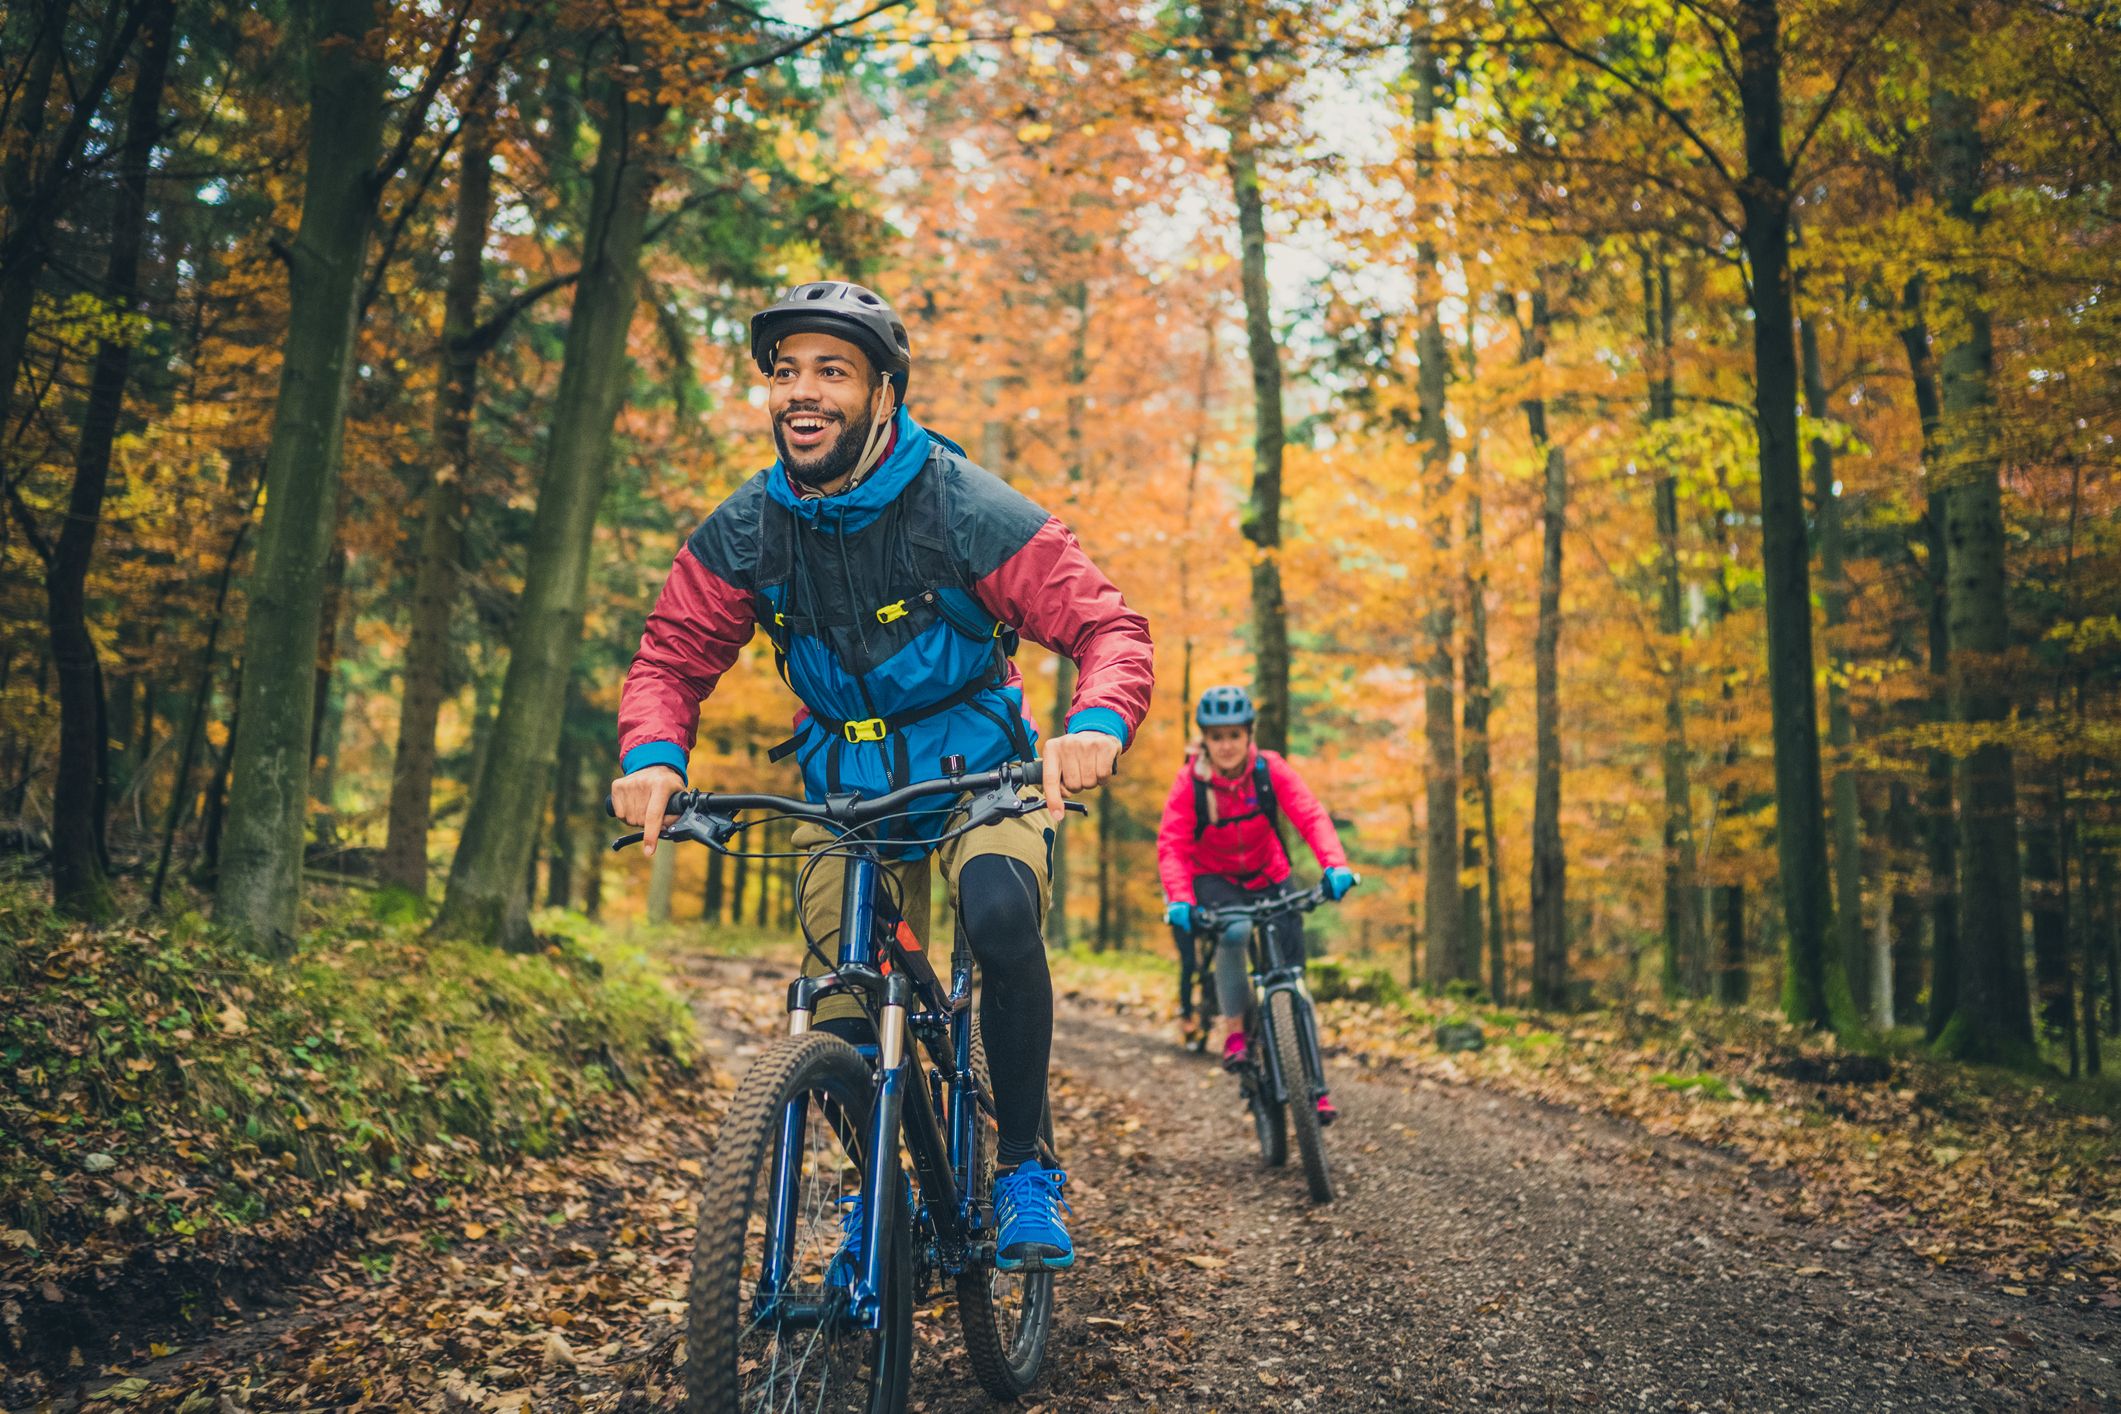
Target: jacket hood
853 509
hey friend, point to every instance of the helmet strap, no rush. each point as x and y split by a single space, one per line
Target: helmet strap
883 407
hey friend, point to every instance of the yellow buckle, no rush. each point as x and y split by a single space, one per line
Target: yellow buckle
780 621
1000 628
891 613
872 729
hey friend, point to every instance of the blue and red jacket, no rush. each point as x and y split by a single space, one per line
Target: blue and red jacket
893 600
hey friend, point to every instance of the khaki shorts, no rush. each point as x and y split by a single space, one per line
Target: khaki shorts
1027 839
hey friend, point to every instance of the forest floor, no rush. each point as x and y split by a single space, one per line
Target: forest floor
1487 1250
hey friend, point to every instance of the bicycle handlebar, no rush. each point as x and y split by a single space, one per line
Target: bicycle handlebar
1304 902
848 811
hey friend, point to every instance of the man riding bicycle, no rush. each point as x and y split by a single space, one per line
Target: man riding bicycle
892 576
1218 845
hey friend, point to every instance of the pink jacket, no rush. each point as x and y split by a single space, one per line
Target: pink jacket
1238 843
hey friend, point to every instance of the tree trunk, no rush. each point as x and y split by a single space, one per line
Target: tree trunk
1908 906
1993 1017
28 231
711 896
1262 516
1444 901
1941 825
500 828
741 878
260 881
566 789
662 873
1846 806
217 796
325 712
1063 693
2047 900
1814 988
1685 969
448 506
195 726
1550 925
81 788
1482 851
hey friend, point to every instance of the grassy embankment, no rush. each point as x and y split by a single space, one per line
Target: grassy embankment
177 1110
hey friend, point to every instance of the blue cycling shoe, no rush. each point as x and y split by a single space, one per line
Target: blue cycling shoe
1027 1205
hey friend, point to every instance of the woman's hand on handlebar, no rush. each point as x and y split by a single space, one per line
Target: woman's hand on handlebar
1077 761
638 799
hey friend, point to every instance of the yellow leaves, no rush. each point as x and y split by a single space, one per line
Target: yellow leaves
1032 133
233 1021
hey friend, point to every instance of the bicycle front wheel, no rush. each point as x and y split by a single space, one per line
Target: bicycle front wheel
1005 1316
1304 1091
1268 1121
795 1345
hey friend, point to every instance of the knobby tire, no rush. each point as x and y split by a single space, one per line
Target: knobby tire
1303 1090
738 1182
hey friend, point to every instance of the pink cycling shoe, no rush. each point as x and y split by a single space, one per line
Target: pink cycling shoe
1326 1113
1234 1050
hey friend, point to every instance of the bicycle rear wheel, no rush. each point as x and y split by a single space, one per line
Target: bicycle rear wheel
803 1351
1005 1316
1268 1121
1303 1093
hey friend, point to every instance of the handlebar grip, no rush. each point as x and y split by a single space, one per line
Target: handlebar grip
608 808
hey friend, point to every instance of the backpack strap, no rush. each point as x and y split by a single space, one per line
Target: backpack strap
1263 785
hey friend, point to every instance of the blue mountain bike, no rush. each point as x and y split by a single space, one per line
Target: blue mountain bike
782 1314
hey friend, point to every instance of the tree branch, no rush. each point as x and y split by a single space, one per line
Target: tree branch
438 73
1857 54
489 331
804 41
1635 86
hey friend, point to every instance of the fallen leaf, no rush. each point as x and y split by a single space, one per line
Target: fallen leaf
1207 1264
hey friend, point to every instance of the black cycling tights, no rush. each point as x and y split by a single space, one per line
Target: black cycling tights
998 915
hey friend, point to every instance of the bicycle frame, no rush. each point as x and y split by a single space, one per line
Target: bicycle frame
1268 978
903 993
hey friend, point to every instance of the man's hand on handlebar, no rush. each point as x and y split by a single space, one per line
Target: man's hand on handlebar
1077 761
638 799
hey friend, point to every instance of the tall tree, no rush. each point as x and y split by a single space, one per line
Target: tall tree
1992 1016
1550 922
1227 36
260 879
1685 957
446 507
78 884
1444 899
485 898
1845 815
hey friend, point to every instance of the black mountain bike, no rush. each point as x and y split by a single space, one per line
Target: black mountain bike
1285 1073
777 1317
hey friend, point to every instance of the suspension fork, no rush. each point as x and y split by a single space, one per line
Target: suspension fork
881 1179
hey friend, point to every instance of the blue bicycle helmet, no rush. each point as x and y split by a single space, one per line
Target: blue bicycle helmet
1225 707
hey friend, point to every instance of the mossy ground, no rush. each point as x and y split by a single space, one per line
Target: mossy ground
159 1085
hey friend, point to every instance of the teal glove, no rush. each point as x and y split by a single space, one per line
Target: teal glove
1338 882
1179 915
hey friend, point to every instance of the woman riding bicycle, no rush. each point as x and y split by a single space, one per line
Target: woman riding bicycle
1218 845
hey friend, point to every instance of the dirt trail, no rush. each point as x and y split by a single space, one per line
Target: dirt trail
1484 1253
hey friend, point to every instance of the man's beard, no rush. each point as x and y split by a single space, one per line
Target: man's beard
835 461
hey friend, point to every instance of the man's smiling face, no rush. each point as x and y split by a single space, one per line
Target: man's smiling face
821 402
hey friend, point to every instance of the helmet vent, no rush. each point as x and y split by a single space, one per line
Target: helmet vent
816 292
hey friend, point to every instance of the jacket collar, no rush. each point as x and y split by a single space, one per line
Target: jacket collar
860 504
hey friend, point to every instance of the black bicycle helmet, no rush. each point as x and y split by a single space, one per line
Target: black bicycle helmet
845 311
1225 707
